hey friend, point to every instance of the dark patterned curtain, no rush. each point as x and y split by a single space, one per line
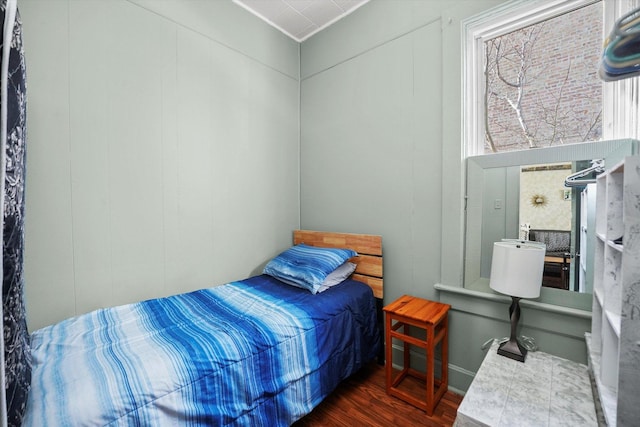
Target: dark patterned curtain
17 352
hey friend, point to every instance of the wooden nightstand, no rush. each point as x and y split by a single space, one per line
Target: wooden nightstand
431 316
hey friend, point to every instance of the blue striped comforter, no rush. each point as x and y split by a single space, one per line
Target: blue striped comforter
255 352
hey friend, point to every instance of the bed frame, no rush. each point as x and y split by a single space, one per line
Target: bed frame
368 263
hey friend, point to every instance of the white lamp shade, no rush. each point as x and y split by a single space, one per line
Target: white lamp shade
516 269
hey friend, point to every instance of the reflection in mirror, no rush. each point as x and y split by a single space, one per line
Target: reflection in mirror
494 207
546 216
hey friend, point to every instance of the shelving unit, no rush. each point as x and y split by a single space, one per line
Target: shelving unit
614 342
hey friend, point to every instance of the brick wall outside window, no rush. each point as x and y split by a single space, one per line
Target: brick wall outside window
557 108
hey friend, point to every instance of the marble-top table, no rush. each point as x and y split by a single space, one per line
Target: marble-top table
545 390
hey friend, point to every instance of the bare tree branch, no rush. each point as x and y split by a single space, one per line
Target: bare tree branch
487 94
518 59
513 84
593 125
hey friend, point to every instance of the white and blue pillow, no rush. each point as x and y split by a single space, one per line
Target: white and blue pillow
310 267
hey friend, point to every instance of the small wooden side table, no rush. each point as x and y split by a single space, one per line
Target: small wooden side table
431 316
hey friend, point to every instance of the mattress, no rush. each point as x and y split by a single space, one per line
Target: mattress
255 352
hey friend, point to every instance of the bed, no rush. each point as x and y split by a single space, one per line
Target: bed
253 352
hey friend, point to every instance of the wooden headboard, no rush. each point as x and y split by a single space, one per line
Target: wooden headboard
368 247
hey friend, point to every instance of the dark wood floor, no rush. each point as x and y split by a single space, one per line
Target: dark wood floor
361 400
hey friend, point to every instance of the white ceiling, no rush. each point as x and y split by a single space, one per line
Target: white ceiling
300 19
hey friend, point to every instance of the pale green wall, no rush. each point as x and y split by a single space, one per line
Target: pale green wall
163 154
163 149
381 153
372 135
499 184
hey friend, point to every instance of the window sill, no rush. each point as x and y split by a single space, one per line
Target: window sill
480 289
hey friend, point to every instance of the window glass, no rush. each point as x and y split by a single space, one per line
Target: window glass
537 82
542 85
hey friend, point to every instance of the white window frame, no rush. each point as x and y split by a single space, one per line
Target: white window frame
621 109
620 106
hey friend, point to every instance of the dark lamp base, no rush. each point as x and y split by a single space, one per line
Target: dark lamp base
513 350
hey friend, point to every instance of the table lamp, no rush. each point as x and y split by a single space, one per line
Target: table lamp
516 270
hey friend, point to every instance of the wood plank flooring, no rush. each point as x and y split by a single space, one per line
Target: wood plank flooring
362 401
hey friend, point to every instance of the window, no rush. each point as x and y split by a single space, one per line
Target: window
531 76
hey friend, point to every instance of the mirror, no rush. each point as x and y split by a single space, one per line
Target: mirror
553 214
493 209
